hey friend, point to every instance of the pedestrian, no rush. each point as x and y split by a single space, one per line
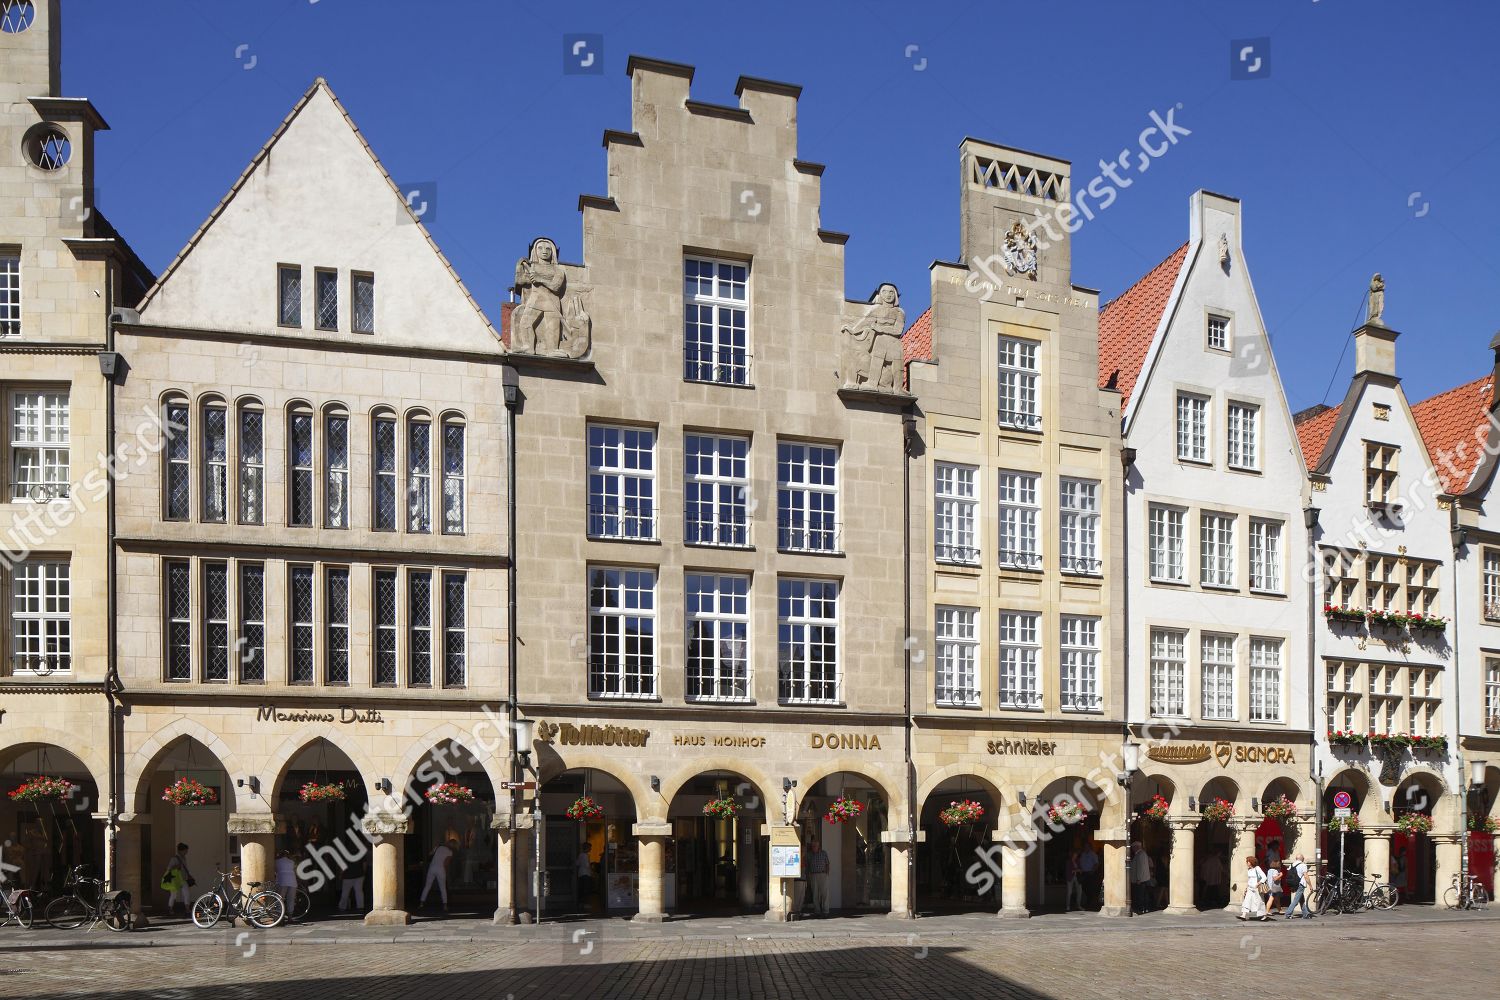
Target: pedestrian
817 870
1140 878
1296 881
1398 877
1075 884
1088 872
437 872
584 865
1253 907
1273 890
286 880
352 885
1273 855
177 881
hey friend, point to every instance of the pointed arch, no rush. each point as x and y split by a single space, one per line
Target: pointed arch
448 732
277 764
757 777
142 764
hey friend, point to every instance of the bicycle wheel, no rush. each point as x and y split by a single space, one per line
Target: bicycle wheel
1322 901
301 906
264 909
1450 897
207 910
1386 897
1481 898
117 916
67 913
24 914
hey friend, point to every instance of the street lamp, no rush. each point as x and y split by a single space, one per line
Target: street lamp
1130 756
524 731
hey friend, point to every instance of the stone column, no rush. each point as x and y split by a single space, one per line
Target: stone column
505 857
1244 846
1016 849
1449 858
652 839
1184 841
1115 841
903 902
387 832
1377 853
126 862
257 835
746 871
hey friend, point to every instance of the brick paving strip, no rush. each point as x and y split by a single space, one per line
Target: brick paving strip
1418 953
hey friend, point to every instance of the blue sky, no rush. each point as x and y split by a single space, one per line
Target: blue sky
1373 143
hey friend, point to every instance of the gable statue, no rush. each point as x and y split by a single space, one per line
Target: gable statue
872 353
547 321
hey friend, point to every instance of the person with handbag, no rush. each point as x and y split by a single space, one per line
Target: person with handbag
1253 907
177 881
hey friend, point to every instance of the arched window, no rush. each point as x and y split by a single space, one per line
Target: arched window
383 466
215 444
251 449
454 459
335 467
419 473
177 458
299 459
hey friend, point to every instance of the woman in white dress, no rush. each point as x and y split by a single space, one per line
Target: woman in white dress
1253 907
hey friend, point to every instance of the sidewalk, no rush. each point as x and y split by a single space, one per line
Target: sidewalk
746 928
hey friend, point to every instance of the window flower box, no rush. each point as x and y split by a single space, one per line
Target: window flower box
1349 616
721 808
42 789
1346 738
1430 744
844 809
187 792
1157 810
1391 741
449 794
1414 822
1388 619
1427 623
1283 809
584 809
1218 811
959 813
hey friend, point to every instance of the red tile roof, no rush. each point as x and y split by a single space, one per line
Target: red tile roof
1454 425
1312 435
1128 324
916 342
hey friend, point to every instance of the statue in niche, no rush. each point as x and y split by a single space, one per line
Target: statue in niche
872 354
546 322
1376 313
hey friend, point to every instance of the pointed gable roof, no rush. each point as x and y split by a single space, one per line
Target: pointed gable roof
1455 426
1128 324
260 164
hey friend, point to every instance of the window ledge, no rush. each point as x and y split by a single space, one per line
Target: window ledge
1257 591
966 706
1083 711
1223 588
1167 582
612 698
736 702
1202 463
826 553
810 704
1034 709
624 541
719 545
1246 469
721 385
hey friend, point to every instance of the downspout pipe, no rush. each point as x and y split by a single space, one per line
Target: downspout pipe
1460 540
909 447
109 370
1314 773
511 387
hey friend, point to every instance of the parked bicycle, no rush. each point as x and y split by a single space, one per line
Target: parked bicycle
262 908
1353 894
298 906
89 901
1470 895
16 905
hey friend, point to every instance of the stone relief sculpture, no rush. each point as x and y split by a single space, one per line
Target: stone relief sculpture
547 321
1376 313
872 352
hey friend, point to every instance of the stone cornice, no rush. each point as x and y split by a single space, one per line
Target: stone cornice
279 546
289 698
308 342
821 717
10 685
40 347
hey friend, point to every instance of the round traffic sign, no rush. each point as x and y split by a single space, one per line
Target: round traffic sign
1341 800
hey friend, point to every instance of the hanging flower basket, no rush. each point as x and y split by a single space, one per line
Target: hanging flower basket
1430 744
725 808
1484 824
584 809
1334 613
1068 812
1414 822
315 792
959 813
41 789
1347 738
844 809
1157 810
1283 809
449 794
1218 811
1350 823
189 792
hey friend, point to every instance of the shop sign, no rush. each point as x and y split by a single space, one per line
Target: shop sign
1025 748
1223 751
843 741
345 715
735 742
570 735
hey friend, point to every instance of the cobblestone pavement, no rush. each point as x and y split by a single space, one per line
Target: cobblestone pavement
1419 953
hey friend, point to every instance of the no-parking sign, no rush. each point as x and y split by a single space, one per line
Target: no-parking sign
1342 800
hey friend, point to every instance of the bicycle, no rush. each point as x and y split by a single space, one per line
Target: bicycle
1471 895
262 908
109 907
301 905
16 906
1347 896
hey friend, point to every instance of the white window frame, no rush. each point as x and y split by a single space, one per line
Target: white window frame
1216 545
729 314
622 500
956 638
1078 667
1020 660
1217 676
800 628
1166 533
807 503
629 601
1266 673
1018 376
40 426
41 616
1266 568
1020 519
10 292
1490 584
717 637
1078 526
956 513
1223 322
1168 673
1242 435
1192 428
1492 694
719 493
